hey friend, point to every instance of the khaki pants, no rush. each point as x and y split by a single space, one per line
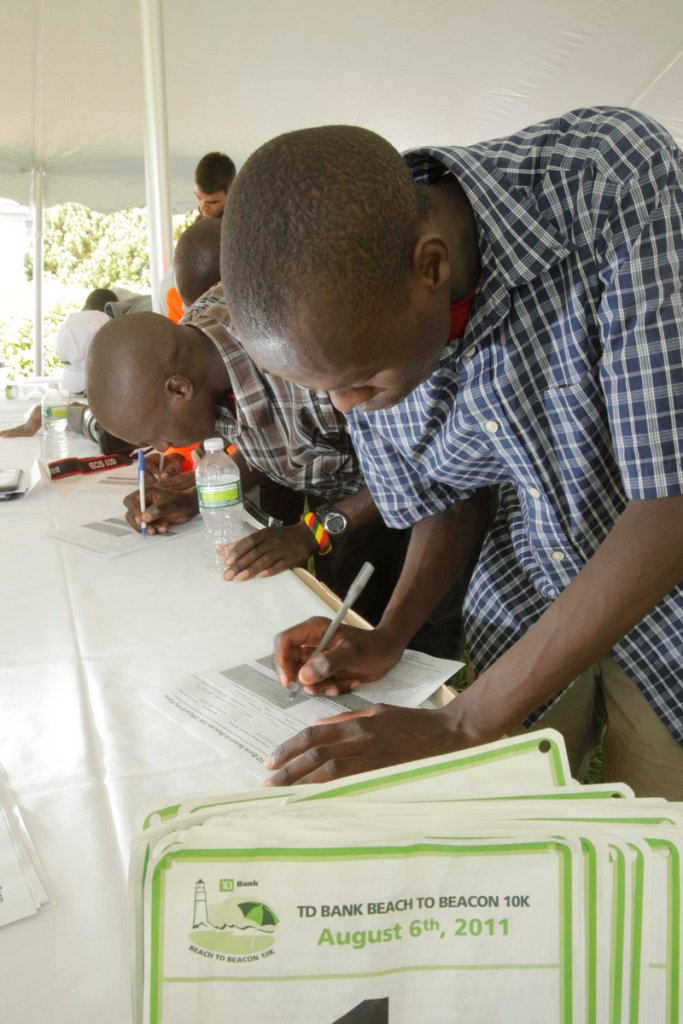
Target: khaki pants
603 706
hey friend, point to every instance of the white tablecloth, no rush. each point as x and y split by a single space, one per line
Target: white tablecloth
84 639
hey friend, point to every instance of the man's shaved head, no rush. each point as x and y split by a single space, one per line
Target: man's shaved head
330 209
149 381
197 259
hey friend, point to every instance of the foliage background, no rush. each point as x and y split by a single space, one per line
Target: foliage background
82 250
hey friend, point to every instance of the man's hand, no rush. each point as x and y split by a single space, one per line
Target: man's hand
268 552
173 467
354 656
28 428
170 505
358 742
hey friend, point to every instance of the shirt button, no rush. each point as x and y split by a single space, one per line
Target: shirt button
468 353
557 556
491 426
533 492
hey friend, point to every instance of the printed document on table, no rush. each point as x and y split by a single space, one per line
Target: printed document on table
245 713
111 537
16 899
22 892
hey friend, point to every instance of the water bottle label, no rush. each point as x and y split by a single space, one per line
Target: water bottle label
219 495
55 412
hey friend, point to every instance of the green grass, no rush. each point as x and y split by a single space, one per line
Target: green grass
594 770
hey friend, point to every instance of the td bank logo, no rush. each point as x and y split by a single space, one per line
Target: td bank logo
234 926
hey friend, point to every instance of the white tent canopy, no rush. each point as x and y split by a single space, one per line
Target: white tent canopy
239 72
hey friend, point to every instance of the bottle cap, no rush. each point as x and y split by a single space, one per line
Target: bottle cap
214 444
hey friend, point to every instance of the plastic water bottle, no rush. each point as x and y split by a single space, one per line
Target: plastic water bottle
219 491
53 440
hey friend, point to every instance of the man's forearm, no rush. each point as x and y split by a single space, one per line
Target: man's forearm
638 563
440 549
359 508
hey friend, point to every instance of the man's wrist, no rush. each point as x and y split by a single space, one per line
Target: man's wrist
464 725
307 537
334 520
323 544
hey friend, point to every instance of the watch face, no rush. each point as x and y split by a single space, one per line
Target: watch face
334 522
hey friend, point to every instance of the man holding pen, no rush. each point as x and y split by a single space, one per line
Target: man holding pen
170 385
505 316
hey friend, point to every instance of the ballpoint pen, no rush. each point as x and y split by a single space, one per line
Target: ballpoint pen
141 489
354 592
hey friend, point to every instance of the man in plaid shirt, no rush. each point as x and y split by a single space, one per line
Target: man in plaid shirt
173 385
503 319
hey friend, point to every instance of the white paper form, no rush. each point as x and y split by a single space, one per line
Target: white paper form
22 892
112 537
16 899
118 480
245 713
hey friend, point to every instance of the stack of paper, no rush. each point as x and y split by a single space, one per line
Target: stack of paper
22 891
483 886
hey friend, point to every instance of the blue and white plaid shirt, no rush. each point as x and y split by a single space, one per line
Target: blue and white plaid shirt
566 391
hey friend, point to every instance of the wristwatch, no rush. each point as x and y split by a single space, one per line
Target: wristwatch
335 522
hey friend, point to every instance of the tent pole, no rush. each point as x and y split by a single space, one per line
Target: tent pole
157 180
38 209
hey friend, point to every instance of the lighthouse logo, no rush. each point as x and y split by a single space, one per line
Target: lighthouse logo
233 926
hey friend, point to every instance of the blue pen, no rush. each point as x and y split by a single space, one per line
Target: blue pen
141 488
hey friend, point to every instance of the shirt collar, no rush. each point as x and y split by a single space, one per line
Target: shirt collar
522 241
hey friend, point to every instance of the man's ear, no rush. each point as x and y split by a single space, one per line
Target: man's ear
430 261
179 388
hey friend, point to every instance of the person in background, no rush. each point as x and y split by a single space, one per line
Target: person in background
506 315
97 300
197 260
171 385
72 343
196 268
213 176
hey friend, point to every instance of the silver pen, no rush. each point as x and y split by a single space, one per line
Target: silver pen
353 593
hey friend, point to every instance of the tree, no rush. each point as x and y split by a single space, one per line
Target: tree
82 250
99 250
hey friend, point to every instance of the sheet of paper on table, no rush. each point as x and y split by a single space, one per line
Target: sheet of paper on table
245 713
113 536
22 889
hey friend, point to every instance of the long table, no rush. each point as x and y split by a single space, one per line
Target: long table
84 641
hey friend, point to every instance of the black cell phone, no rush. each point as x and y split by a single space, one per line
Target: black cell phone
10 483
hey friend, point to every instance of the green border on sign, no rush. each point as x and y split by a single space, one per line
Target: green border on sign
409 774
